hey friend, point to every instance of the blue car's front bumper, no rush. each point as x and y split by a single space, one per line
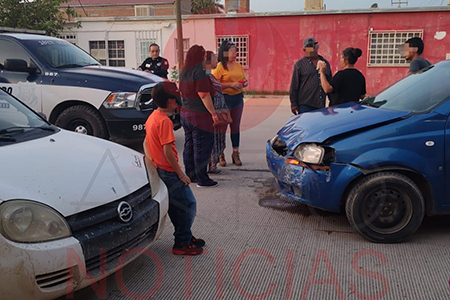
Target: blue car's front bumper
321 189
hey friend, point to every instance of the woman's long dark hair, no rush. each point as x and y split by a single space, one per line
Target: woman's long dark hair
224 47
209 56
352 54
195 56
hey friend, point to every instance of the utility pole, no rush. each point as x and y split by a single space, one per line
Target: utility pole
180 49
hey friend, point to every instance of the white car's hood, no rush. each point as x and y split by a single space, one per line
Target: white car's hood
69 171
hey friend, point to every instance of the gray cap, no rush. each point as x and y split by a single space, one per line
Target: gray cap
309 40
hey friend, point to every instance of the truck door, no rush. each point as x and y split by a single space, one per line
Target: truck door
19 75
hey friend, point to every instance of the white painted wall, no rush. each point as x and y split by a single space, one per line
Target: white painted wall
198 31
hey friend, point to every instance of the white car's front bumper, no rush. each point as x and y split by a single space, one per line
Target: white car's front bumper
53 269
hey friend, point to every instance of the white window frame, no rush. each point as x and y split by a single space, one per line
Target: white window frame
242 43
186 46
117 51
233 6
383 47
103 54
144 49
146 37
98 53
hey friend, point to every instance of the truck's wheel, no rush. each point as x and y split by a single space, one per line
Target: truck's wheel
385 207
83 119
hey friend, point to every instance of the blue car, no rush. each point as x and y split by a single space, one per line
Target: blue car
383 161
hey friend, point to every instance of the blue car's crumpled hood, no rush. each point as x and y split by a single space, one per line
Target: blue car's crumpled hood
320 125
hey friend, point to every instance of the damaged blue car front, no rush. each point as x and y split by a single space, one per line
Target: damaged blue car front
383 160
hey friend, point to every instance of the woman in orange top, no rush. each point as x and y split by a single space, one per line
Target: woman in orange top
232 77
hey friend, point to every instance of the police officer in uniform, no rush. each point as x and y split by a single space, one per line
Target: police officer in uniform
155 64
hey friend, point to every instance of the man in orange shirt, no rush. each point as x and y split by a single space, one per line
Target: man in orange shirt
159 146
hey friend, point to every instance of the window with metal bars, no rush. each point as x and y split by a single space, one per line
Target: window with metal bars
242 47
144 49
115 50
116 53
98 50
384 47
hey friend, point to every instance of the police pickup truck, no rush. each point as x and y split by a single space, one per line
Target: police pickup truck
74 90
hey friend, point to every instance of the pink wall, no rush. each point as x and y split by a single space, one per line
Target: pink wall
198 31
276 42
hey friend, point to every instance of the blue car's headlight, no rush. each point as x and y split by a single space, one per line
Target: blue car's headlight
309 153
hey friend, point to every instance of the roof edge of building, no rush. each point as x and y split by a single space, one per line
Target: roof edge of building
116 4
147 18
270 14
326 12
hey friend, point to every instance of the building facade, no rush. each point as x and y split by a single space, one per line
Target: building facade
269 44
124 8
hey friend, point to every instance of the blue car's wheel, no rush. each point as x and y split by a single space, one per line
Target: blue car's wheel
385 207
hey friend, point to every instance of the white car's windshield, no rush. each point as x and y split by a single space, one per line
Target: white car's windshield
15 117
418 92
61 54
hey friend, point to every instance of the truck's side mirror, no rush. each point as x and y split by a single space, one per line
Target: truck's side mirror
18 65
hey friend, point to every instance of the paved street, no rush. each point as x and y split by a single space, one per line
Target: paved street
262 246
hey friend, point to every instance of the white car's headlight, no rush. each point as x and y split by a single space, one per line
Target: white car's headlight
309 153
120 100
31 222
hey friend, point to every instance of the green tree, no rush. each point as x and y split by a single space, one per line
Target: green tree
38 15
206 7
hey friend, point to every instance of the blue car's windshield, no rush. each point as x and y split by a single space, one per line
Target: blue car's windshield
61 54
418 92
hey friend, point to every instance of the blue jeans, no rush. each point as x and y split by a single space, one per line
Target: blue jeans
182 207
305 108
236 106
198 145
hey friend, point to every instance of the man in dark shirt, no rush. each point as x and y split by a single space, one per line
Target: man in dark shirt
155 64
306 93
412 51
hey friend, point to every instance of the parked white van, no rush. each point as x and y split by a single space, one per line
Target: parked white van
73 208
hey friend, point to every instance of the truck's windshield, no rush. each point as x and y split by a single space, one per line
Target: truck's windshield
61 54
418 92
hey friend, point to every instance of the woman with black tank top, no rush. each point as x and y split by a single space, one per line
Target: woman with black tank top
347 85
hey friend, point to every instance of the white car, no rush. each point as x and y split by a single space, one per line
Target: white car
73 208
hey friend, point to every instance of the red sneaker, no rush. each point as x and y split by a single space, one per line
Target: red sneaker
198 242
191 249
